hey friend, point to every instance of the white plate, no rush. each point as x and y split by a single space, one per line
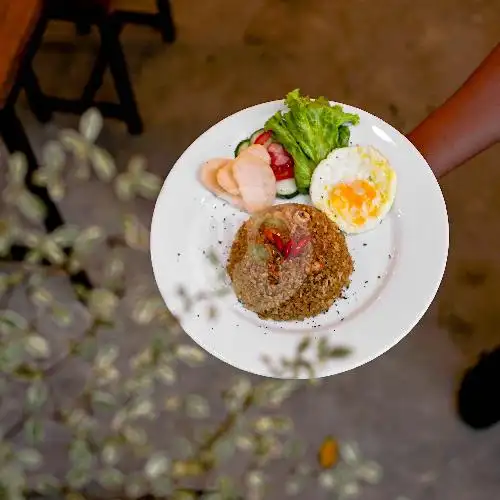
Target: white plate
398 266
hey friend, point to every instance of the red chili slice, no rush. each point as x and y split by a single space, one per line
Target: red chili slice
278 243
263 138
299 247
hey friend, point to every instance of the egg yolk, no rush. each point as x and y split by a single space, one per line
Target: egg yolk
356 201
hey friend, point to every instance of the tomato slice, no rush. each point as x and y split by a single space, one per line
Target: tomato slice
282 172
263 138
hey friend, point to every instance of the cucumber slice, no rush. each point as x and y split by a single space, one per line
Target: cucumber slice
256 134
286 189
241 147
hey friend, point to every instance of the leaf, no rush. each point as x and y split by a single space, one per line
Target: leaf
143 408
30 458
37 346
327 480
105 399
146 309
77 478
12 319
87 239
33 431
53 252
136 235
107 355
80 454
18 167
41 297
74 142
255 479
31 206
87 348
197 406
293 486
57 190
102 304
166 374
53 157
350 453
149 185
114 270
124 187
135 436
172 403
110 478
41 177
349 490
36 395
103 164
61 315
370 472
157 465
65 235
110 454
190 354
91 123
137 165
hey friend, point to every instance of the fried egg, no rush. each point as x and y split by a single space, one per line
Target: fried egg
355 187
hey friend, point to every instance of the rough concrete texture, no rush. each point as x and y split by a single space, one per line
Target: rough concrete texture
397 59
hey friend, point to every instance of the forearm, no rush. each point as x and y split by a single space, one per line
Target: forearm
466 124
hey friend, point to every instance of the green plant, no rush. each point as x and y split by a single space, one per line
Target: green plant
106 422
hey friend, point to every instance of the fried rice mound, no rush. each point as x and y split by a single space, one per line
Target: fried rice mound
289 262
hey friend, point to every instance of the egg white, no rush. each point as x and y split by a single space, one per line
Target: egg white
344 166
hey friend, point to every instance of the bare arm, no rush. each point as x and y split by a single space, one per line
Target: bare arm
466 124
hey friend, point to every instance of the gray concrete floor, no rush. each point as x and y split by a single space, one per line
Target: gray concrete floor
397 59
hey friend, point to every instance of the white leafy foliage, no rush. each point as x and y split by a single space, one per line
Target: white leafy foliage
102 304
86 240
136 234
30 458
103 164
53 157
157 465
74 142
91 123
18 167
31 206
37 346
36 395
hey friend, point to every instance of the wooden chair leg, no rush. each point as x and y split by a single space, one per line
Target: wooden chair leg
37 101
110 39
165 20
83 28
96 78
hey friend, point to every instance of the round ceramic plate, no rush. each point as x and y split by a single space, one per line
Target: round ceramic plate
398 266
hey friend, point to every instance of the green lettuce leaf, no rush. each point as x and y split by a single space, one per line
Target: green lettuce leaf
304 166
309 131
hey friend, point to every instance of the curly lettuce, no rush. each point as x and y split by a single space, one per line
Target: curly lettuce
309 131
